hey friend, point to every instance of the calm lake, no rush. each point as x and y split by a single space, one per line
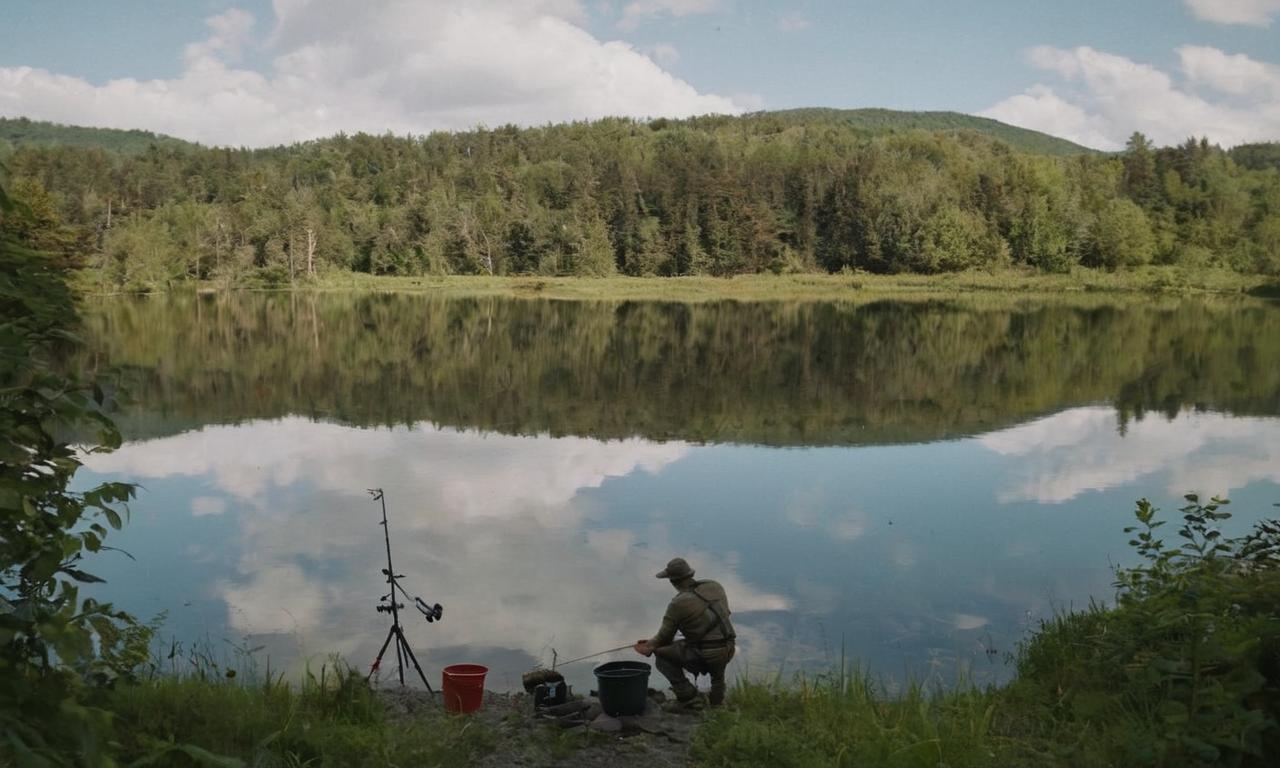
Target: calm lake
916 483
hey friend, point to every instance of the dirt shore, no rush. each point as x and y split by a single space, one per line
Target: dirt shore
523 737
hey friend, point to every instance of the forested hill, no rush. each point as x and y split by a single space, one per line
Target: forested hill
714 195
1257 157
878 121
19 131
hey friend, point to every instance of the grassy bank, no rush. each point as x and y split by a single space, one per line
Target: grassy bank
1184 670
328 719
796 287
842 720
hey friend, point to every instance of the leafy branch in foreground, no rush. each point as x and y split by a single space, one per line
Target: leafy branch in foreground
1185 669
53 644
1207 658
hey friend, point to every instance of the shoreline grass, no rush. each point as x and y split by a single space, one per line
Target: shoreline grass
1152 280
843 719
1183 670
330 719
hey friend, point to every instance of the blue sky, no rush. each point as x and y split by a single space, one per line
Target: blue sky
258 72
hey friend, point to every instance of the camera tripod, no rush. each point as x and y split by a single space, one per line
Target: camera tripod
388 604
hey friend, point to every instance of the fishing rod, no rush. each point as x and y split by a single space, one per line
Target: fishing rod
555 664
388 604
533 678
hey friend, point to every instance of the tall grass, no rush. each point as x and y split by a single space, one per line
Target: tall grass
845 719
328 718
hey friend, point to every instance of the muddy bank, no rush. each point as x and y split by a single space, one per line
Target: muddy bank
582 738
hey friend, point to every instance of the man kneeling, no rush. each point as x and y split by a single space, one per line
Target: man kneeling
699 612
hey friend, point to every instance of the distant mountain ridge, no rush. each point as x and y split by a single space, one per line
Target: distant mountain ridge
880 121
22 131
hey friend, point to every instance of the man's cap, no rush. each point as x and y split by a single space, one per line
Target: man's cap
676 569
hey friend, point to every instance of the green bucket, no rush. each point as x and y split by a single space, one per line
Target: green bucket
623 687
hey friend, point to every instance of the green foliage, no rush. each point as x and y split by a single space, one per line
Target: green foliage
838 372
1120 237
843 719
140 255
33 219
772 192
53 645
953 239
875 121
21 131
1185 669
1257 156
328 719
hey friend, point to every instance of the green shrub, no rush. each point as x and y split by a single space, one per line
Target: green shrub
1184 669
1120 237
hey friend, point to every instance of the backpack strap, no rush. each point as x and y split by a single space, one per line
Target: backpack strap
719 622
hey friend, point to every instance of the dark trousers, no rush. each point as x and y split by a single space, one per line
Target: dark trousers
675 659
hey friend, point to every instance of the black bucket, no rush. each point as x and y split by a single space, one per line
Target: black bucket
623 686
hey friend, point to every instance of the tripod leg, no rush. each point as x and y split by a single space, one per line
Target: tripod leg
409 652
377 662
399 653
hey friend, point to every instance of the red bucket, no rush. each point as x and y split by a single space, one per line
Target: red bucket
463 687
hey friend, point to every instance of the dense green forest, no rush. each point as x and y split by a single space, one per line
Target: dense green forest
809 190
769 373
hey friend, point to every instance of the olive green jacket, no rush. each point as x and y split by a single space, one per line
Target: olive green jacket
700 613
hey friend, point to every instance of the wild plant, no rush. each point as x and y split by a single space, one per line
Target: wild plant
1197 638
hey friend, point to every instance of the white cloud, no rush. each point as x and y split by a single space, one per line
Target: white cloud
1103 98
665 54
1080 450
1253 13
1040 108
1237 75
389 65
637 11
230 32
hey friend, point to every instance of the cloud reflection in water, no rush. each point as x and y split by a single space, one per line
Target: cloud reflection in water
491 526
1070 453
533 543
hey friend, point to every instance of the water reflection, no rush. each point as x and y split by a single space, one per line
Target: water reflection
494 527
541 543
1070 453
775 374
543 459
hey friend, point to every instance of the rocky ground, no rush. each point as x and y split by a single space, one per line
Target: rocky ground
582 736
